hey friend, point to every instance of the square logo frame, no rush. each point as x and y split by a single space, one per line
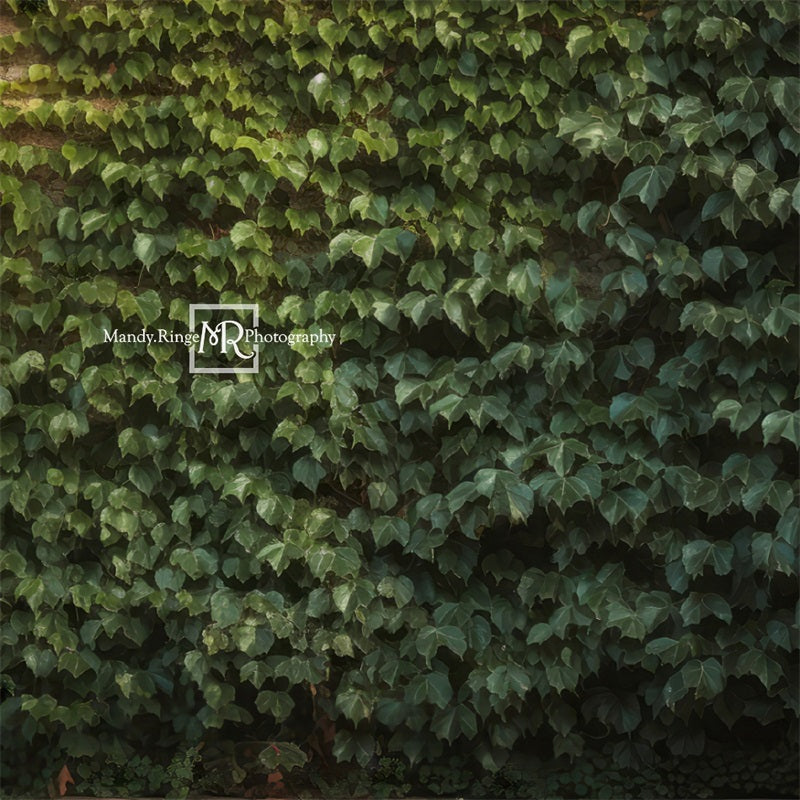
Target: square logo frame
193 308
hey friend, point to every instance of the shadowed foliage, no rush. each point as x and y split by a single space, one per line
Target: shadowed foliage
540 494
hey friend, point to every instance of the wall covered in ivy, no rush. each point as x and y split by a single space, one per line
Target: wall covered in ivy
539 495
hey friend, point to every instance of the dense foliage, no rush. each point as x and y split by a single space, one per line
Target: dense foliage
542 490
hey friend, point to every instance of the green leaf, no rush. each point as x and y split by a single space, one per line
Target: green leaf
6 401
320 88
340 245
670 651
362 67
430 639
525 281
390 529
766 669
67 223
78 155
294 170
39 72
399 588
697 606
564 491
468 64
716 204
309 472
719 263
581 40
348 745
369 249
332 32
405 244
343 148
318 142
782 425
649 184
93 220
741 417
629 502
342 561
226 608
700 552
439 690
354 704
145 246
146 306
706 677
589 215
284 755
630 33
636 243
455 721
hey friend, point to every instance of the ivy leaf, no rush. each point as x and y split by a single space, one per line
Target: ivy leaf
628 502
706 677
348 745
369 249
318 142
579 41
147 305
719 263
565 491
340 245
635 242
78 155
589 215
354 704
399 588
438 689
405 244
743 179
362 67
150 247
698 553
226 608
320 88
782 425
93 220
332 32
697 606
649 184
455 721
309 472
430 639
468 64
67 223
741 417
766 669
390 529
284 755
6 401
525 281
716 205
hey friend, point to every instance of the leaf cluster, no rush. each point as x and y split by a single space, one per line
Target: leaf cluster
544 486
